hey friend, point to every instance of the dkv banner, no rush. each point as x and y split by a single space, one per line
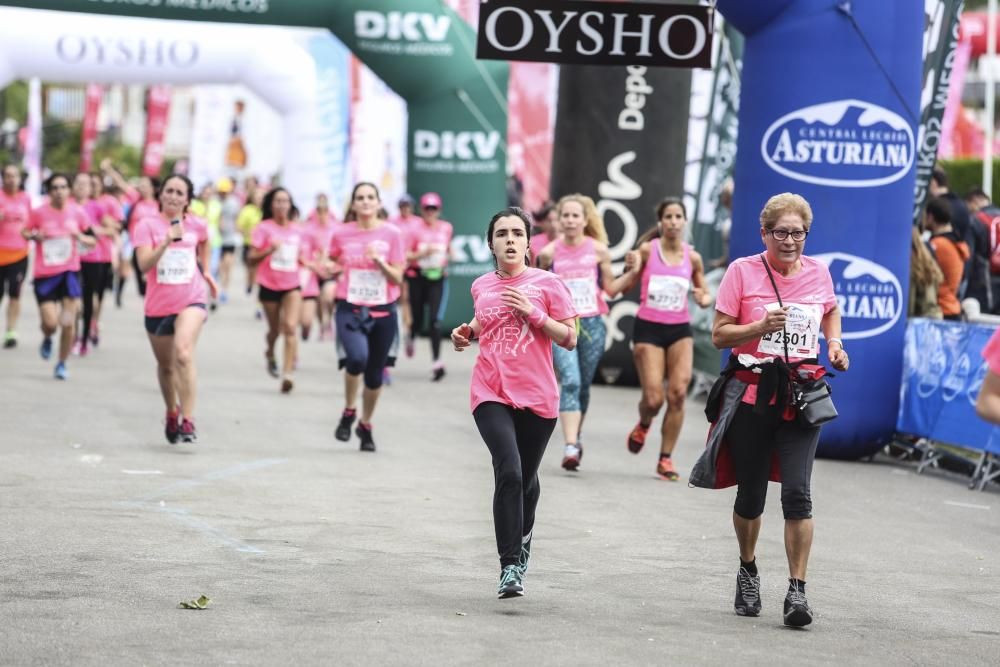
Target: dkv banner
824 116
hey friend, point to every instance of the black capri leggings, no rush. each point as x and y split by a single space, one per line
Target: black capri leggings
516 440
95 277
426 293
364 342
753 440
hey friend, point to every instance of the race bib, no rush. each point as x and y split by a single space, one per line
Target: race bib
801 332
435 260
57 251
176 267
304 275
668 293
367 287
286 257
584 293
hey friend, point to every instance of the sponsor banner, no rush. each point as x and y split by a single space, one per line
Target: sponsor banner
333 116
943 371
941 24
33 142
398 33
531 128
88 130
625 136
595 33
954 111
378 136
839 130
157 113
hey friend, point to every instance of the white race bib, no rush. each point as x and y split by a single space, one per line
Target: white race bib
668 293
176 266
365 286
801 331
286 257
584 292
57 251
435 260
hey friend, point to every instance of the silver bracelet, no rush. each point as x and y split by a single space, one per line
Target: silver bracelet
835 340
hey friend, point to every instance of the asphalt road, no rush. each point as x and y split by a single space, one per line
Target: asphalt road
315 553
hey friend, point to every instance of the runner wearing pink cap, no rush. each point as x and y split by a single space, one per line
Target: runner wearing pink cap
519 312
430 249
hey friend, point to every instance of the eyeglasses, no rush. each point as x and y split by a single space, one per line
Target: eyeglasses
799 235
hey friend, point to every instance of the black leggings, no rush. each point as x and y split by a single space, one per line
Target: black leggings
427 293
95 276
753 441
516 439
365 343
140 277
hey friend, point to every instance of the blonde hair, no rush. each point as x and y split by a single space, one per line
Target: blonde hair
595 224
924 270
783 204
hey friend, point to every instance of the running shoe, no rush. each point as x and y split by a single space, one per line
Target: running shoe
61 373
410 348
571 457
522 560
46 349
365 433
187 433
75 350
511 583
747 593
665 470
84 349
173 427
437 374
272 367
343 432
223 298
95 335
10 340
797 611
637 438
286 385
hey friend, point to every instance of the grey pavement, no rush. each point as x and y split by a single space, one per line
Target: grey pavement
314 553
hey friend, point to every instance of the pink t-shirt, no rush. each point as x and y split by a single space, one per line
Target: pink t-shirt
363 283
578 267
436 238
108 206
514 366
279 271
144 208
308 280
991 353
537 243
57 252
407 226
665 287
14 212
176 281
746 294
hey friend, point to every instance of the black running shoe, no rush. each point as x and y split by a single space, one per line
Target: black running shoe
365 433
522 560
511 584
797 611
747 593
343 432
173 428
437 374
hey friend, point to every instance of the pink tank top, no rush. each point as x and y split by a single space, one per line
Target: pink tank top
577 266
665 288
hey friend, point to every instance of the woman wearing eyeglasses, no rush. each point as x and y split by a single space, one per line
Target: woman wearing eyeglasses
770 308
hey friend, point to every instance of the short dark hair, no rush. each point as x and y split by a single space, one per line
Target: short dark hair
52 177
510 211
976 192
939 209
939 176
187 183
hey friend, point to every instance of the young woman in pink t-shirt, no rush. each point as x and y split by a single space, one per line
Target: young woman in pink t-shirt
15 208
519 312
275 249
662 343
429 248
749 440
97 267
370 253
319 226
58 228
172 250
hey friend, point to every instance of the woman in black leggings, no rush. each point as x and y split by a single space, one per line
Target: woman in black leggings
430 249
519 312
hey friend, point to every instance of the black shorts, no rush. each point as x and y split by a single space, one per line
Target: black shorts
228 249
164 326
246 253
662 335
65 285
12 276
268 295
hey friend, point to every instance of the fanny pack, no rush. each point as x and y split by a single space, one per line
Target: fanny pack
811 393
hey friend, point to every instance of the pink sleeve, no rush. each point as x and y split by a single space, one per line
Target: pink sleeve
727 301
34 221
560 301
142 236
831 295
115 210
451 233
991 353
83 219
202 232
396 253
259 238
334 249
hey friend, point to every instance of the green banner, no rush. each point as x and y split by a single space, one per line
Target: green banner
426 53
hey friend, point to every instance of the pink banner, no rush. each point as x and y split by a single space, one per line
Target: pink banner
157 112
953 109
88 133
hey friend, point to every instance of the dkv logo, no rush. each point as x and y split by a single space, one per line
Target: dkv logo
408 26
846 144
455 145
868 294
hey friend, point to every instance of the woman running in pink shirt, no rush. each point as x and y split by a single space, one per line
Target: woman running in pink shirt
172 250
519 312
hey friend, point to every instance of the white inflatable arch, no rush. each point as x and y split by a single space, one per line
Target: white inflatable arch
63 47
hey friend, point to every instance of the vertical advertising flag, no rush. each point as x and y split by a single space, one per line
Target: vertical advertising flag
157 112
88 131
333 114
33 141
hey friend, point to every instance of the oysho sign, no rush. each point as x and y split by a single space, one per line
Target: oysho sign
847 144
868 294
403 33
125 51
595 33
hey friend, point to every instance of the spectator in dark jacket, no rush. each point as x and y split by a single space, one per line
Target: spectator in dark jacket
976 282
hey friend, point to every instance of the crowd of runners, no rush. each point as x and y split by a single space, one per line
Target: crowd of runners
373 284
